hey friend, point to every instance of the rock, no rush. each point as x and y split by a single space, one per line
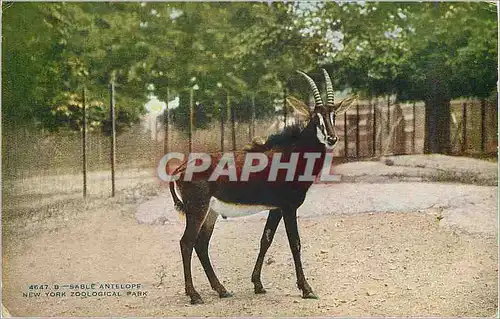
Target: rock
162 220
153 212
370 293
270 260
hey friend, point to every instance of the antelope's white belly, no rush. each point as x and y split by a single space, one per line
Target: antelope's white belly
236 210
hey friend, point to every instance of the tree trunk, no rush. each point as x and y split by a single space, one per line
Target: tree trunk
437 108
437 126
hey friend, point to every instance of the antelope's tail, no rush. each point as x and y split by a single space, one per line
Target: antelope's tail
178 204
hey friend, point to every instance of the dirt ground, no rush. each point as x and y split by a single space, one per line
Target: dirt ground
410 254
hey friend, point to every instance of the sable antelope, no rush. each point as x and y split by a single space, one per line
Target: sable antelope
202 200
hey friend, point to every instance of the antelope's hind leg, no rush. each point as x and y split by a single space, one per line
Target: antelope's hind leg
201 247
196 211
273 220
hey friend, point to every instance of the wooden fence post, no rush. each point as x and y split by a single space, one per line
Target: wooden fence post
191 118
483 125
231 118
166 119
399 136
388 114
374 131
84 142
113 136
464 128
233 129
357 130
251 129
221 109
284 108
381 139
413 136
346 142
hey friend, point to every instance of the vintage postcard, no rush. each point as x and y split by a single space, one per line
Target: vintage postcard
241 159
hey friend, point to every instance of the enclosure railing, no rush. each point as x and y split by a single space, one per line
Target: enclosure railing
36 160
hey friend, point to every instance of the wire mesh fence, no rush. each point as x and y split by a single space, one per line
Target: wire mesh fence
38 164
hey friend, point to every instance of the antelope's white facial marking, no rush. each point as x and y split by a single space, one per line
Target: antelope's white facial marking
236 210
329 140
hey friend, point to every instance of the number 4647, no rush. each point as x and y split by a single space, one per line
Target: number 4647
36 287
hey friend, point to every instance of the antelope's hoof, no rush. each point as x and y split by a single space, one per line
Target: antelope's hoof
259 290
225 294
196 300
309 295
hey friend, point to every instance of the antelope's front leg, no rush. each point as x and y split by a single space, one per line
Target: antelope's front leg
290 218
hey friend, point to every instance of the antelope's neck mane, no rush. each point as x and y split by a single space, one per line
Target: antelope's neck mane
290 138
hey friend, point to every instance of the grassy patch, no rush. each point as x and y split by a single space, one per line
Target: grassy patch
465 177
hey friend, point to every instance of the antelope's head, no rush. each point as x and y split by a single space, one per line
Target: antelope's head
322 115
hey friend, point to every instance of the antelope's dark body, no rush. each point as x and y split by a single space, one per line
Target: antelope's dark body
258 190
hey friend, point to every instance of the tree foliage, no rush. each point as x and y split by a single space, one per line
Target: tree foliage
419 51
51 51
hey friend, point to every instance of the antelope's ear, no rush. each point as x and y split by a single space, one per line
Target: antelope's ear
298 106
344 105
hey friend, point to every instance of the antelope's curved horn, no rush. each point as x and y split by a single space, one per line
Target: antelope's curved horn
329 90
317 96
